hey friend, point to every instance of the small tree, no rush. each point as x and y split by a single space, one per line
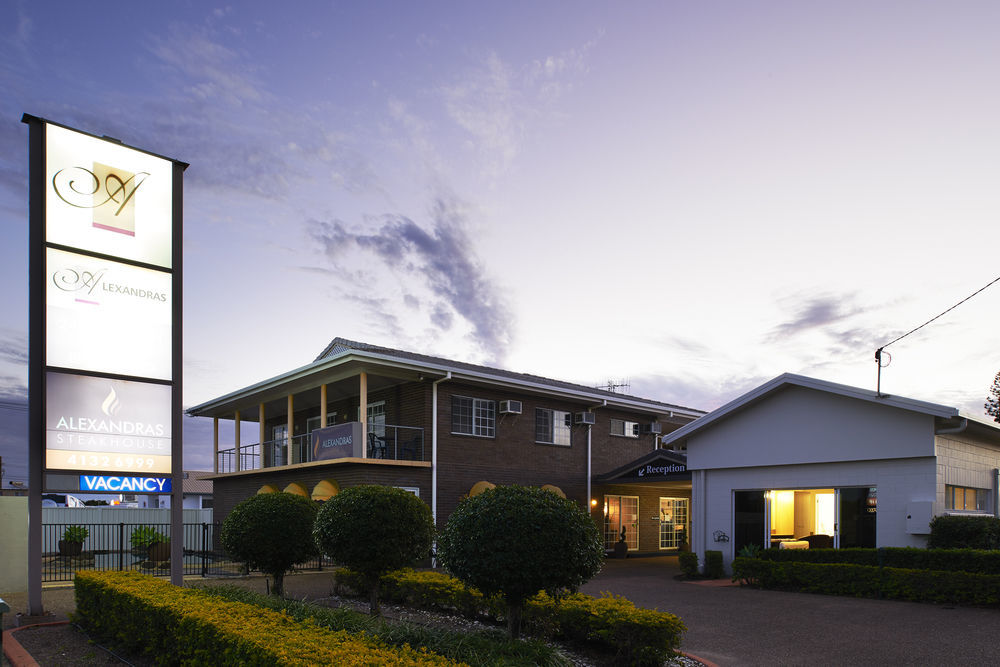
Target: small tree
516 541
271 532
993 400
373 530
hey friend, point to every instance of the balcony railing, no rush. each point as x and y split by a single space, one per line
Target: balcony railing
398 443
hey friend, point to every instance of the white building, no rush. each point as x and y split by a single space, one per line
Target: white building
805 461
197 494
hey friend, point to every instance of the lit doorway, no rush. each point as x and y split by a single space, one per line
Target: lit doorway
621 512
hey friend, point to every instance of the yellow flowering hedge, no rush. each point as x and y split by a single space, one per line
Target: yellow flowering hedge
610 623
182 626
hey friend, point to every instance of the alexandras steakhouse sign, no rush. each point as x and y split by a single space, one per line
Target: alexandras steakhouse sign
105 283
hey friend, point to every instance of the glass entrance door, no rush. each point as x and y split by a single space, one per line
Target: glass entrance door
621 512
856 520
749 520
673 522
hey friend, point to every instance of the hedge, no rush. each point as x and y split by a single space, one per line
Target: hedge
953 560
609 623
964 532
181 626
918 585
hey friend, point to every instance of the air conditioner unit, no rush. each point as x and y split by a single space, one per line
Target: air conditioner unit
510 407
652 427
585 418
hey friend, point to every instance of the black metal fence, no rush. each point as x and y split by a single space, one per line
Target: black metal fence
133 546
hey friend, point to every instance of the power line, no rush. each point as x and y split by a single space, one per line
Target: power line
878 352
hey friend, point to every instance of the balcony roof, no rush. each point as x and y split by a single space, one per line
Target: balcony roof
343 359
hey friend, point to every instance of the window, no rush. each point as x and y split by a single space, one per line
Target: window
552 426
473 416
965 498
624 428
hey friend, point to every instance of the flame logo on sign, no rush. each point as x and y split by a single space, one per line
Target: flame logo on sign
111 404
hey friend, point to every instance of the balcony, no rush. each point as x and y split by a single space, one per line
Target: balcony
397 443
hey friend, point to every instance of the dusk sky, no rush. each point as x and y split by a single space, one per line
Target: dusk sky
695 196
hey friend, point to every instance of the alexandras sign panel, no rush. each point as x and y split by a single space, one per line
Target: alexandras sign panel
107 198
99 424
107 316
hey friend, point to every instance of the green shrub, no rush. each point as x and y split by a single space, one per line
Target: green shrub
514 541
77 534
181 626
688 560
713 565
961 560
610 625
374 530
144 537
964 532
475 647
271 532
871 581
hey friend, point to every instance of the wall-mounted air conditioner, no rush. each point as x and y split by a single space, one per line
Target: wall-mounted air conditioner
585 418
510 407
652 427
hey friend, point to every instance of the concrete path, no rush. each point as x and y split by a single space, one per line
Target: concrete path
730 625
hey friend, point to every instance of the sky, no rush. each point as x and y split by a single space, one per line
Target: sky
693 197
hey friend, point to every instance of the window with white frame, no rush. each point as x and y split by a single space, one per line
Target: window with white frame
552 427
473 416
965 498
624 428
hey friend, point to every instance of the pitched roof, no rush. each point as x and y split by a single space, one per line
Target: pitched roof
342 349
790 379
196 484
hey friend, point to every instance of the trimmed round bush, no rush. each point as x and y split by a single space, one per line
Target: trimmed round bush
515 541
271 532
373 530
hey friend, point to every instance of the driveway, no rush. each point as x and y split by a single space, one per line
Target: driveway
730 625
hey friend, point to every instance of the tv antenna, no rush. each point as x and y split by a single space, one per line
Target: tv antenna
615 386
880 353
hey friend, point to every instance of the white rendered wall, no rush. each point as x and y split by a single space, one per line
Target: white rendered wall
799 425
899 482
13 544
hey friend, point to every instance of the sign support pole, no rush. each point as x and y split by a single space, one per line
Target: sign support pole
36 359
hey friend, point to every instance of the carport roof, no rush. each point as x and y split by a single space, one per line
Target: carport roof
790 379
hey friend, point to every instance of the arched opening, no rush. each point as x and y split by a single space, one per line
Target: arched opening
296 489
325 490
554 489
267 488
479 487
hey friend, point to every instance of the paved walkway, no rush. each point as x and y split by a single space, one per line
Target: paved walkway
730 625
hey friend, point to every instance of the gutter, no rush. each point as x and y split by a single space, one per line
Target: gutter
963 424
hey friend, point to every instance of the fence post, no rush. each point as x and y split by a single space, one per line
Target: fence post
121 546
204 542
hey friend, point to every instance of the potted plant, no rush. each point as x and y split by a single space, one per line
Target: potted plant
72 540
145 539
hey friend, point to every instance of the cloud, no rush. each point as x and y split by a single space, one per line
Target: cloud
443 260
819 311
700 393
13 347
